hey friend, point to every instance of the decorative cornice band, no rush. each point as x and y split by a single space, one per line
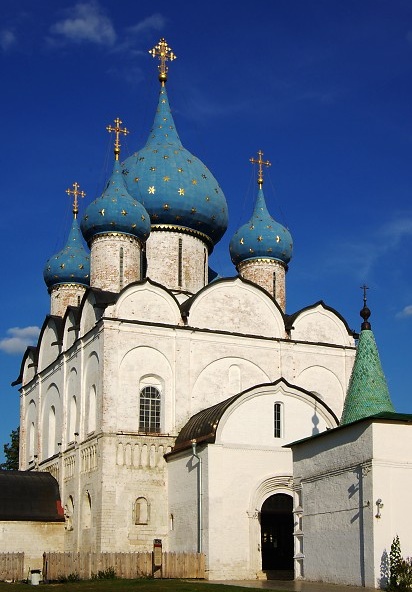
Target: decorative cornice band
185 230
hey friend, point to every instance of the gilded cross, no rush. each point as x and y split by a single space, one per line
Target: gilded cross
260 162
76 193
117 130
164 53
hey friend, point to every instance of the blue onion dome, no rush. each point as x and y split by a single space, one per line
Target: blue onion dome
115 212
175 187
71 265
262 237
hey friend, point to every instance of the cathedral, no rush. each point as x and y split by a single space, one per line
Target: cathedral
162 397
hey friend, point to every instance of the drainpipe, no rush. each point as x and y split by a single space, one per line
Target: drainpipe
199 498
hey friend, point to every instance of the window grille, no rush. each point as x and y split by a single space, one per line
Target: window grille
277 420
149 418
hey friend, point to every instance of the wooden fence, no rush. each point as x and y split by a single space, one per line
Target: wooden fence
11 566
125 565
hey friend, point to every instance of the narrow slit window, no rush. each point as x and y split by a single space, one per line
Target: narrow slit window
180 264
274 285
277 420
121 264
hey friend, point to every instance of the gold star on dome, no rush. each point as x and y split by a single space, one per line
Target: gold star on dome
143 218
101 212
194 182
62 266
242 242
136 179
165 156
123 213
260 238
193 211
204 176
81 266
134 225
151 190
180 170
152 168
252 227
278 239
181 191
166 206
166 179
189 161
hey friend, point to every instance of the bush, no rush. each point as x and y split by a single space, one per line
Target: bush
107 574
400 576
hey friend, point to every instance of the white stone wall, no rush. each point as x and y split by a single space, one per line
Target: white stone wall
269 275
341 475
114 261
186 270
33 539
65 295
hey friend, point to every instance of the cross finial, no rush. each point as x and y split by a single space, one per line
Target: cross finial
364 288
260 162
365 313
117 130
164 53
76 193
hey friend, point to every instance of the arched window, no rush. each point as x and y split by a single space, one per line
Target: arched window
31 440
52 431
87 510
149 413
141 511
68 513
278 420
91 411
72 419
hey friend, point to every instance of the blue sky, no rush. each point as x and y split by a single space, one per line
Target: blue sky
323 87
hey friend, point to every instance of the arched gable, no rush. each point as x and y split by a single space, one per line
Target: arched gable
50 341
71 327
144 366
90 314
226 376
325 384
250 418
321 324
236 306
148 302
28 366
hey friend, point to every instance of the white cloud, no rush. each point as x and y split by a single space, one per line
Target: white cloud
406 312
7 39
19 338
86 22
155 22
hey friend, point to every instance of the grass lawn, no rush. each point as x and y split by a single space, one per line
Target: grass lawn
140 585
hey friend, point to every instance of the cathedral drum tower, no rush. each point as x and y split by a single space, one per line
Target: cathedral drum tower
187 207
